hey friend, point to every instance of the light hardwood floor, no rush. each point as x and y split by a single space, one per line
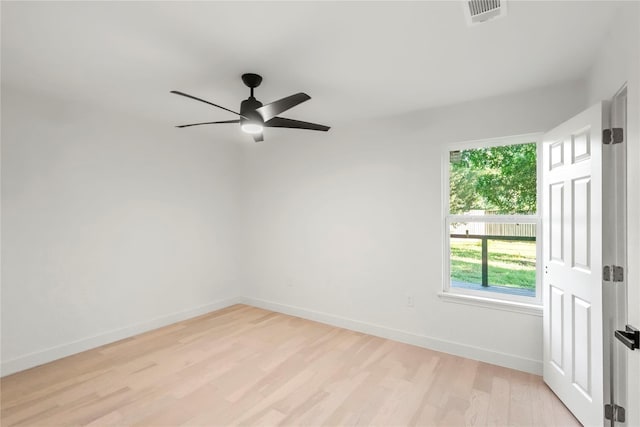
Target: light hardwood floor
248 366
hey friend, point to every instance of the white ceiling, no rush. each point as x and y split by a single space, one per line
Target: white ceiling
357 60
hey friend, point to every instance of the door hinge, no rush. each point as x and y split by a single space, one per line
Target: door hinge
612 136
629 337
613 273
614 413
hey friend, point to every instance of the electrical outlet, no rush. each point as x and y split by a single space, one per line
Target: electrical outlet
410 301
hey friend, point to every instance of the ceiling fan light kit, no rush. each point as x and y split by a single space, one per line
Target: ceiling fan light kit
254 116
252 128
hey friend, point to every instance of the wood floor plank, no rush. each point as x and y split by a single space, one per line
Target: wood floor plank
247 366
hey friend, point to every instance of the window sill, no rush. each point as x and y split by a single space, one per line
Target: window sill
493 303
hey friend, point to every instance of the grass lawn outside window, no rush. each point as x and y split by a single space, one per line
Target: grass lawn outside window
511 264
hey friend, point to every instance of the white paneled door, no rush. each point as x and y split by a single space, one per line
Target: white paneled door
572 254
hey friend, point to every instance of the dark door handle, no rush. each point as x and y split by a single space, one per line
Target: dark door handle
629 337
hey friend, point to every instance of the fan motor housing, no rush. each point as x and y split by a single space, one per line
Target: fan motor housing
248 109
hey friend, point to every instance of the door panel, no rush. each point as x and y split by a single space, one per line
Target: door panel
580 209
556 310
556 224
572 254
582 346
581 147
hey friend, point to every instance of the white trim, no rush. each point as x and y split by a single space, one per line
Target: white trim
479 297
492 303
485 294
493 142
471 352
476 353
540 228
505 219
63 350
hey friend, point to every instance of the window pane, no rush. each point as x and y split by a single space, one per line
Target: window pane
494 257
493 180
466 261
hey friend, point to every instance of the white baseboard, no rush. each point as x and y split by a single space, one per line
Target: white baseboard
50 354
476 353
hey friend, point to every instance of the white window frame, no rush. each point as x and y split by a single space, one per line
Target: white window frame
518 303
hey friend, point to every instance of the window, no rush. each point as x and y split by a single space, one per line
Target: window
491 220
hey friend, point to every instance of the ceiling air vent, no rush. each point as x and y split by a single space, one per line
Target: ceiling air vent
478 11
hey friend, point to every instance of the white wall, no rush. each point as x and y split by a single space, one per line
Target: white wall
619 62
343 226
110 226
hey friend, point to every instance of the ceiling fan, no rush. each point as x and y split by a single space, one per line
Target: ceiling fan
254 116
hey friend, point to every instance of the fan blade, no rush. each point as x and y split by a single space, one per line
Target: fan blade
281 122
206 102
258 137
208 123
271 110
